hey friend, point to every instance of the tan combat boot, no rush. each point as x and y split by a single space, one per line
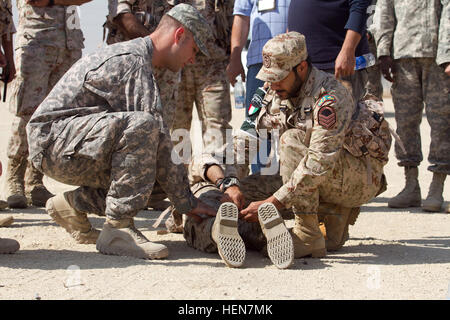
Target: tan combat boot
76 223
307 238
225 234
8 246
335 226
434 200
6 221
15 184
410 195
121 238
36 190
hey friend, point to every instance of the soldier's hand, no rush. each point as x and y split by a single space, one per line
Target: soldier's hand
387 68
201 211
447 69
344 65
235 68
250 213
233 194
38 3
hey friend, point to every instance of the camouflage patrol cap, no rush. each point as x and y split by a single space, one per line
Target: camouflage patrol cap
189 17
281 54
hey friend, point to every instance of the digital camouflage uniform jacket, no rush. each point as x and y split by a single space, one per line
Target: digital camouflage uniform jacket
404 34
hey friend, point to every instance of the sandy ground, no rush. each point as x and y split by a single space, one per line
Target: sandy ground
391 254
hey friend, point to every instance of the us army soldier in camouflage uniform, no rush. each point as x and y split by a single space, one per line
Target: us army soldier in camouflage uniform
414 44
312 110
49 41
101 128
6 62
130 19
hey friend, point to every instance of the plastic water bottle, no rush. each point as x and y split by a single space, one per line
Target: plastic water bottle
239 94
365 61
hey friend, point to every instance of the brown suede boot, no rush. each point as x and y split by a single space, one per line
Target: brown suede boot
307 238
76 223
35 188
335 225
121 238
434 200
410 195
15 183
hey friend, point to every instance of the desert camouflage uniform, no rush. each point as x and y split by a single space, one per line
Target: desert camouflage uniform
205 83
373 85
416 34
6 28
318 176
101 128
149 12
49 40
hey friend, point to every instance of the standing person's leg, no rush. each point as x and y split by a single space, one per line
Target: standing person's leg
34 66
436 86
374 85
408 104
212 98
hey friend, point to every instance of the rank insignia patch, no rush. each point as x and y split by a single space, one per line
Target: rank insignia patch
327 117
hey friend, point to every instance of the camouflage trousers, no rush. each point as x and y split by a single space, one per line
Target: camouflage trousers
374 85
255 188
350 184
38 70
205 83
115 159
419 82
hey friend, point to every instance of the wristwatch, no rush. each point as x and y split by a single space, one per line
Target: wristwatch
225 183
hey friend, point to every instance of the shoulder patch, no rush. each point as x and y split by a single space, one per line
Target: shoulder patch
327 117
326 100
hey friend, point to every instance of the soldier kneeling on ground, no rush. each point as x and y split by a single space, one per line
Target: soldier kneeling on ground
101 128
331 162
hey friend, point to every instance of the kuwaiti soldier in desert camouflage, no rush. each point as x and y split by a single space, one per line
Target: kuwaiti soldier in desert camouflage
413 42
49 41
101 128
6 62
313 111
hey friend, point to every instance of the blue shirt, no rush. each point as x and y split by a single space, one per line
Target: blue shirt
324 23
263 25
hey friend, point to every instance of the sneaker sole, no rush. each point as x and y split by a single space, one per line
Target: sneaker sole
89 237
280 247
225 233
